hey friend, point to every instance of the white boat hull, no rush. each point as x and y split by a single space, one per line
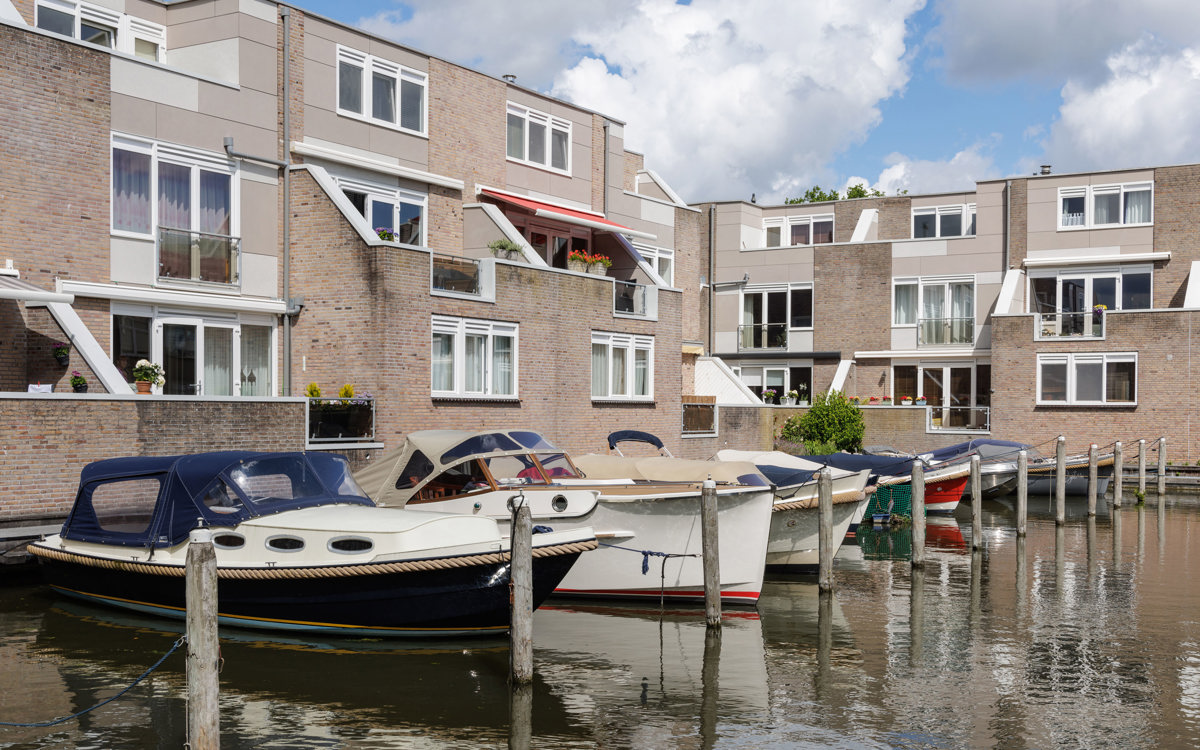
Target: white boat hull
794 543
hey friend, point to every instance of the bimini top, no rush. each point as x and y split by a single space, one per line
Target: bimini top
155 501
398 475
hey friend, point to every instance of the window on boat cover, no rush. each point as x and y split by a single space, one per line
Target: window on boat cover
265 480
125 506
458 480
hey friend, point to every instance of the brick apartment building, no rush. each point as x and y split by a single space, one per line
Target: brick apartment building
1031 307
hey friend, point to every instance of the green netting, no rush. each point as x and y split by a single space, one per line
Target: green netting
891 544
900 496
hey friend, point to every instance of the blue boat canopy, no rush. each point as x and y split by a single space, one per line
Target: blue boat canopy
155 501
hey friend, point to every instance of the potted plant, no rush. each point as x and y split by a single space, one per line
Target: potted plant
78 382
312 390
873 401
906 400
599 265
147 374
887 400
578 260
920 400
505 249
791 397
802 395
62 352
386 234
768 396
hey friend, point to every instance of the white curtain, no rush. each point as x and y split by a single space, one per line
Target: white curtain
443 362
174 196
474 358
641 372
620 358
256 360
502 366
131 191
599 370
383 98
218 361
906 304
1137 207
216 201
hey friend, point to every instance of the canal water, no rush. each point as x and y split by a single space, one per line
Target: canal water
1082 636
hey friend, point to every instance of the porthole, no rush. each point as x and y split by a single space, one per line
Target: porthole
351 544
285 543
559 503
229 541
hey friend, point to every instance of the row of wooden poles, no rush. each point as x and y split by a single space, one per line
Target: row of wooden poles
203 655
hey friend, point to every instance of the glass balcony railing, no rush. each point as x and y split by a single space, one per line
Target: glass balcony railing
945 331
1084 325
451 273
763 336
958 418
341 420
630 298
198 256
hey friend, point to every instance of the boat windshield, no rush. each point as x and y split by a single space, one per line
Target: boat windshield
557 466
509 470
489 443
335 473
277 478
532 440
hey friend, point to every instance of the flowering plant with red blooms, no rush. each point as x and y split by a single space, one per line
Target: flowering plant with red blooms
579 256
603 260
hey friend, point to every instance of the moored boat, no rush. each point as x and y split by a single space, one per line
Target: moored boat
649 529
299 547
892 477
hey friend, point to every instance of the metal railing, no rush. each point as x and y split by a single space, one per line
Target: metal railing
958 418
198 256
341 420
1085 325
631 298
763 336
451 273
945 331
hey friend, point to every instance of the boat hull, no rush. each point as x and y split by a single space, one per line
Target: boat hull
466 600
794 544
940 497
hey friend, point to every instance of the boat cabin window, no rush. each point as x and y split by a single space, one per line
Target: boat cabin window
415 471
220 498
125 505
557 465
515 470
489 443
465 478
266 480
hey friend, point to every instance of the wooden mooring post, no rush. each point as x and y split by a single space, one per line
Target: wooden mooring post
203 648
1162 469
1093 479
918 514
1060 481
976 504
711 548
521 595
1118 480
825 530
1141 469
1022 492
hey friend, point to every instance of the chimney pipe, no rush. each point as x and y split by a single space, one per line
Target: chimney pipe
1045 169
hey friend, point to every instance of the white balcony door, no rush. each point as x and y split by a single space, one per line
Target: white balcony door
198 357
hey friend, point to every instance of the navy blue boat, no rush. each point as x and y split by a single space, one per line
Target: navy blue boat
299 547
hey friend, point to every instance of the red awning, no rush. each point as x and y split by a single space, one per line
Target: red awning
567 215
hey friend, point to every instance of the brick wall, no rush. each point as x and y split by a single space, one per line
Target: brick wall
895 218
851 297
1018 222
46 441
1176 207
466 140
634 163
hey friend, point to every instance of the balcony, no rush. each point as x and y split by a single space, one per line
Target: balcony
636 300
763 336
1078 325
945 331
184 255
958 419
341 420
458 275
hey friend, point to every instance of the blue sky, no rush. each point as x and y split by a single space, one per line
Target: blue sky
732 98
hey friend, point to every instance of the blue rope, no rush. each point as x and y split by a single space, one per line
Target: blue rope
646 555
157 664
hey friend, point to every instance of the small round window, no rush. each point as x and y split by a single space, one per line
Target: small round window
229 541
559 503
285 543
351 544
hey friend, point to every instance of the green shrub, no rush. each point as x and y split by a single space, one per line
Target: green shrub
313 390
347 391
832 421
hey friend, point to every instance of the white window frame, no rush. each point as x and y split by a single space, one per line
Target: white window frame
965 210
551 124
631 344
924 282
1072 360
785 223
490 330
906 281
396 196
126 29
657 257
195 161
787 289
370 65
1089 193
1089 275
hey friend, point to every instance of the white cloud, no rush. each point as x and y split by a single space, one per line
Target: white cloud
960 172
725 99
1145 113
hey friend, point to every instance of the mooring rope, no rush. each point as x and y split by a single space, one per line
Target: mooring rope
648 553
181 640
335 571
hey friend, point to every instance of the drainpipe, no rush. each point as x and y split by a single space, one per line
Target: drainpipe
712 223
286 14
605 191
1007 221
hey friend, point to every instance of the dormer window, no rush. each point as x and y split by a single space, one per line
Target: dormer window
1100 206
103 27
380 91
539 139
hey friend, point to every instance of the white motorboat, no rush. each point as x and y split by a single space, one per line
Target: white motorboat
649 531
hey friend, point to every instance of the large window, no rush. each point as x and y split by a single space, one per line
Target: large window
622 366
1098 206
392 210
958 394
768 313
783 379
382 92
99 25
942 308
1082 290
538 138
661 259
956 220
184 199
1087 379
791 231
474 358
